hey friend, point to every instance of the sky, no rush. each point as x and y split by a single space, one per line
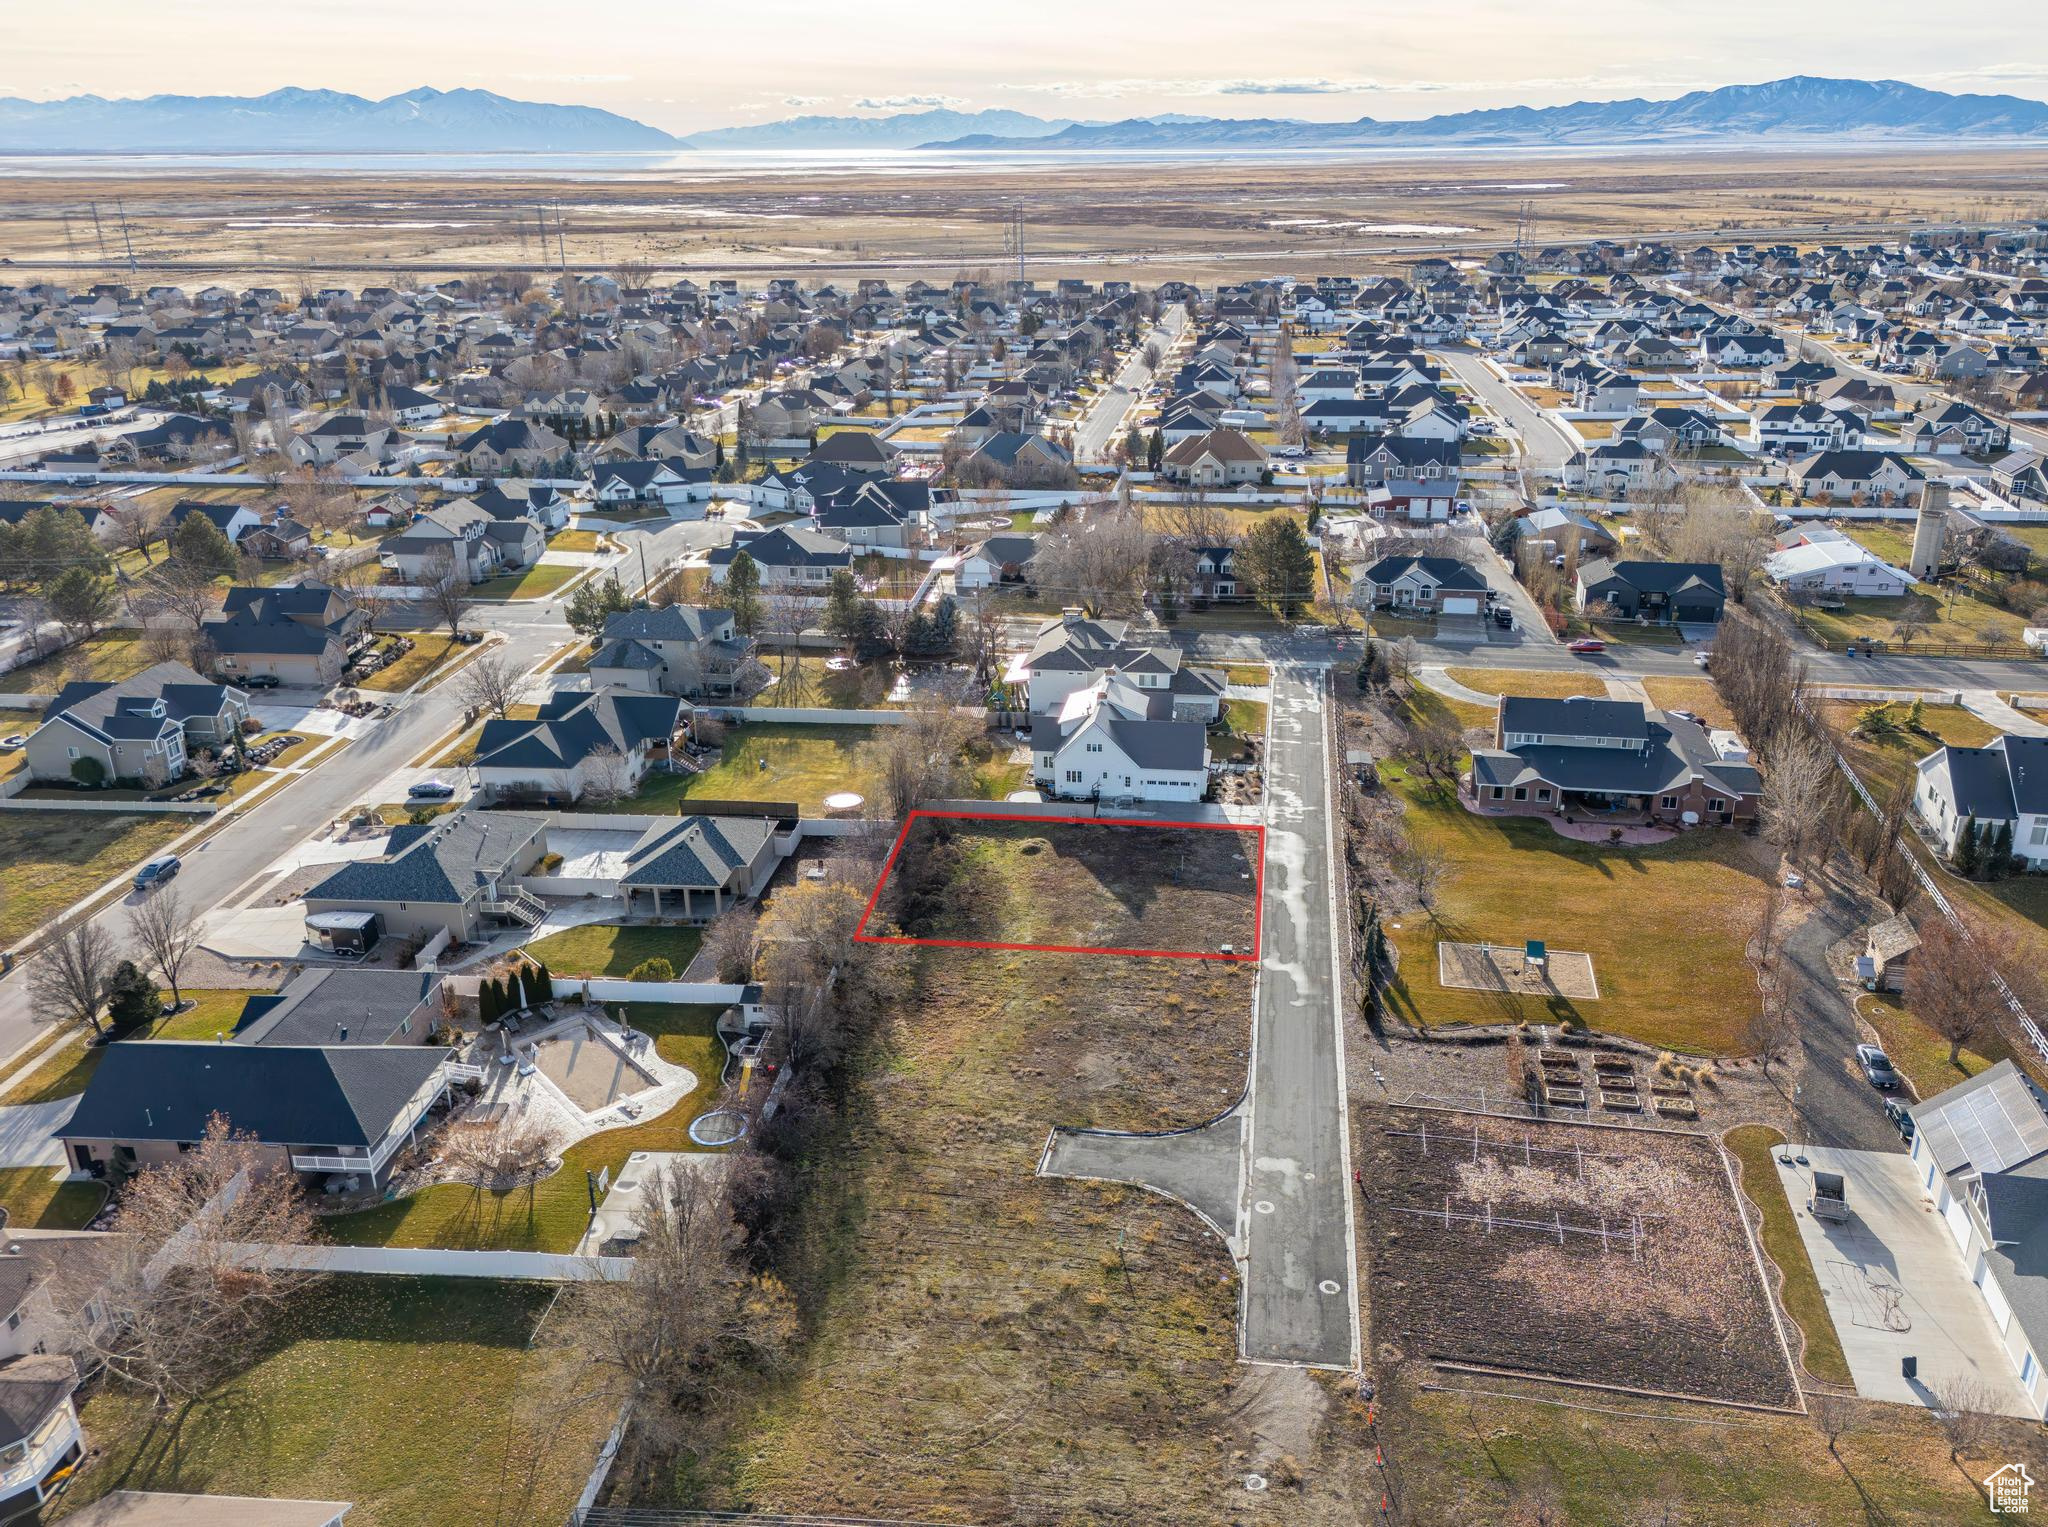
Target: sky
684 65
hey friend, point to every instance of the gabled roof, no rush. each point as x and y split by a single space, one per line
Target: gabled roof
572 726
439 863
1443 572
1991 1123
1658 577
282 1094
125 709
696 852
336 1007
669 623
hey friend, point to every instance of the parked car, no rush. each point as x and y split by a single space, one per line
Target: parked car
156 872
431 790
1901 1120
1586 644
1877 1067
261 681
1703 659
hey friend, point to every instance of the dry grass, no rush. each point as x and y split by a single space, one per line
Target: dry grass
1515 681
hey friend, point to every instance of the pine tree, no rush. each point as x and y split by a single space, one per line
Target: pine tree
741 593
540 984
1965 856
2001 852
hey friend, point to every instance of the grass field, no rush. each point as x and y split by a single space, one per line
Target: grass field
1920 1054
1696 695
573 540
1960 618
541 579
110 656
1887 763
555 1213
809 683
1665 925
65 1070
330 1409
54 858
774 761
430 649
1515 681
601 949
1751 1145
38 1198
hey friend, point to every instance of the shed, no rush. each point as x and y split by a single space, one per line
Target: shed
1887 950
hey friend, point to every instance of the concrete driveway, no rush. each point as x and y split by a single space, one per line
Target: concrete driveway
1895 1284
25 1131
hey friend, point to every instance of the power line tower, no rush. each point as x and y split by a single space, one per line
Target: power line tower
99 232
127 242
1013 237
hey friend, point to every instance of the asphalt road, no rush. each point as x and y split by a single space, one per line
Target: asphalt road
1544 446
1106 411
1300 1295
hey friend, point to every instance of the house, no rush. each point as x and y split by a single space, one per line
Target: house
411 407
1385 463
47 1283
694 867
1214 575
508 446
680 649
1009 455
298 636
1115 740
874 515
1843 476
1222 458
1887 951
277 539
546 506
598 741
1616 466
460 536
998 560
1660 593
1609 760
857 450
788 557
317 1110
337 436
233 520
1956 429
1806 427
141 728
344 1007
1072 652
1839 567
1669 428
640 482
453 878
1564 530
1981 1152
1990 786
1441 584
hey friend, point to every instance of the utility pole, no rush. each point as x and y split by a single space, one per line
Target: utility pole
561 247
126 241
99 232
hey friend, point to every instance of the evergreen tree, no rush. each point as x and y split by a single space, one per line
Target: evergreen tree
945 624
199 543
132 998
593 603
1275 560
1965 856
741 593
540 984
1155 451
2001 860
842 606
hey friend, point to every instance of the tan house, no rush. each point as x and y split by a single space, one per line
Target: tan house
1224 457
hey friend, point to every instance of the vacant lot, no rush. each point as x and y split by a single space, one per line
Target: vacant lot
1665 925
538 580
1599 1255
1082 886
53 858
1514 681
331 1409
108 657
1955 616
1000 1347
553 1215
770 761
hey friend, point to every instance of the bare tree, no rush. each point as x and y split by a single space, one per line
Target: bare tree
178 598
1099 563
1804 798
492 682
1436 746
1833 1414
1963 1408
922 759
513 1153
1952 980
735 944
1774 1029
669 1338
607 776
69 976
180 1301
138 527
1422 865
449 592
167 931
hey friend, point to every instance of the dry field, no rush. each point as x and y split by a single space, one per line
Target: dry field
1143 220
1604 1256
1083 885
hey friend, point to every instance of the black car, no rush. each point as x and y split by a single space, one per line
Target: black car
156 872
261 681
1902 1121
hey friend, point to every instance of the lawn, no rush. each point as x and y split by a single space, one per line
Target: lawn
1751 1145
1666 925
429 650
55 858
108 657
1515 681
573 540
1883 539
1920 1054
331 1408
810 683
1251 675
1696 695
777 761
1886 764
1959 617
1245 720
603 949
38 1198
553 1215
12 723
541 579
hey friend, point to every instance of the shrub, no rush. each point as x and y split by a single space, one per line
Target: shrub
656 969
89 772
132 999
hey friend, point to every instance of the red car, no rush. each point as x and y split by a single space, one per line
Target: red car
1587 644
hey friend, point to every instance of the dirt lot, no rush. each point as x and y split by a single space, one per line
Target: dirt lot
1076 886
1629 1266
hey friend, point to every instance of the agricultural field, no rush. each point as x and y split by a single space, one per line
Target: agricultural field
1613 1257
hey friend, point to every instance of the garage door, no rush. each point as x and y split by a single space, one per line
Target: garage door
1958 1220
1461 604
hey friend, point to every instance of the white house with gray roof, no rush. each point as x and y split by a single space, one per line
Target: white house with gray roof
1981 1149
679 649
2002 784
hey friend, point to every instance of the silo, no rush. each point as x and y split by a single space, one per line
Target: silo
1930 529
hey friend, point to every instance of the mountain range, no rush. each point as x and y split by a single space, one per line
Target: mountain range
478 121
1801 106
439 121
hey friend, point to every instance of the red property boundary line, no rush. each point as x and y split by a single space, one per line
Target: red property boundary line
861 935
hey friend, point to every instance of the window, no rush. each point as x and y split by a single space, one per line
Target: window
1073 776
1521 792
1543 793
2039 835
2027 1369
1717 805
1094 747
1668 802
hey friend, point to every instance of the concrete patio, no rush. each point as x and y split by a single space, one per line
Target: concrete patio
1894 1283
